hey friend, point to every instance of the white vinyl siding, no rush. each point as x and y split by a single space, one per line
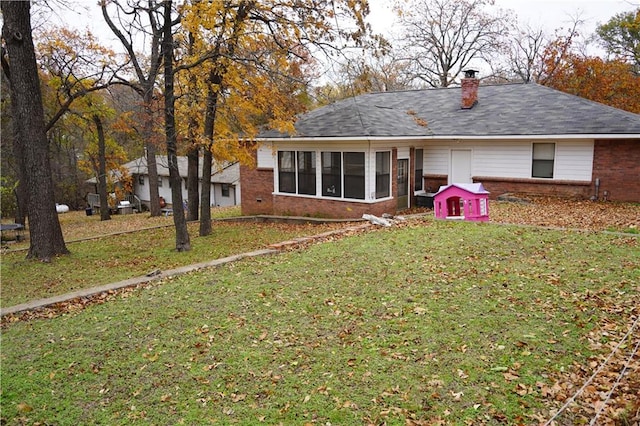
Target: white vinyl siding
508 160
436 159
513 159
266 156
574 160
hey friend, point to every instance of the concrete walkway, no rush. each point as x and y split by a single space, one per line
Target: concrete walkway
158 275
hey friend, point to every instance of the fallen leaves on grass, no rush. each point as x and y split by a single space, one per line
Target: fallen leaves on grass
613 393
567 213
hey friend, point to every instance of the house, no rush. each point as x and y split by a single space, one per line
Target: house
377 152
225 180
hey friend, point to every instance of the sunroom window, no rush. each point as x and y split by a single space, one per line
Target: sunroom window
286 172
332 174
307 172
383 174
354 175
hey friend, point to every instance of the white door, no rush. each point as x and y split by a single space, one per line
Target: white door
460 166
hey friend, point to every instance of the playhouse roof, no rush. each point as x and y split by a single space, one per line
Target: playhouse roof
473 188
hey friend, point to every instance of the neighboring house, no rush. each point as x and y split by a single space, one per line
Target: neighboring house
377 152
225 180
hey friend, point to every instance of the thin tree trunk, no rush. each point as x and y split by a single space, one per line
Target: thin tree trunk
45 233
105 214
182 235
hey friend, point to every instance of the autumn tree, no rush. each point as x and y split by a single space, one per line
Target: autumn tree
102 157
252 55
620 36
31 147
129 21
610 82
444 37
376 71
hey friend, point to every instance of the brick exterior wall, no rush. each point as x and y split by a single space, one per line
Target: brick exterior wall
257 188
564 189
326 208
433 182
617 165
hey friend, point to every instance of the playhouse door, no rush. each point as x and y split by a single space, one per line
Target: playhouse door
403 184
460 166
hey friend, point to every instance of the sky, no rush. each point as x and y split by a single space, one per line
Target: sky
547 14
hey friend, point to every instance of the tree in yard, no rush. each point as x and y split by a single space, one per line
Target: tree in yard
183 242
31 147
254 55
132 19
103 157
620 36
443 37
611 82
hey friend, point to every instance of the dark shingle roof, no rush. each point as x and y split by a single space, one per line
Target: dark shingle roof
502 110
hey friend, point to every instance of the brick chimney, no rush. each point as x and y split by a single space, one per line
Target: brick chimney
469 89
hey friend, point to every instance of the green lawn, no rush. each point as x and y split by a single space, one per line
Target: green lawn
431 323
114 258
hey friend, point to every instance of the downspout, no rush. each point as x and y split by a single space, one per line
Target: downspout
597 194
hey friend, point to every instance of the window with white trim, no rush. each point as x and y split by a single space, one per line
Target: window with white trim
354 175
286 172
383 174
331 163
307 172
543 159
418 171
341 174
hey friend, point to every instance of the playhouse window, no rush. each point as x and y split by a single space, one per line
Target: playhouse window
418 171
332 174
383 174
543 158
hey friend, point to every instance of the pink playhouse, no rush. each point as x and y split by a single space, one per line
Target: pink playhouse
463 201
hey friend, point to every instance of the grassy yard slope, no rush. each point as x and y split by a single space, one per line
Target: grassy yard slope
430 323
94 262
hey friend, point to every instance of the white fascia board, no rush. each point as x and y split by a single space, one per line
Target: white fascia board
450 137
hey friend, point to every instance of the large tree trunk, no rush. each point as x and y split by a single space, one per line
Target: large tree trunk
209 120
193 153
105 214
182 235
45 233
150 152
193 195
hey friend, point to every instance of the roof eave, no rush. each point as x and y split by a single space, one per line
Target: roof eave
451 137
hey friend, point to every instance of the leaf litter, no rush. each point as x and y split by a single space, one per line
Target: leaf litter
621 407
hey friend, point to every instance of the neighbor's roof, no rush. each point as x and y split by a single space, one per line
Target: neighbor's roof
502 110
221 172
